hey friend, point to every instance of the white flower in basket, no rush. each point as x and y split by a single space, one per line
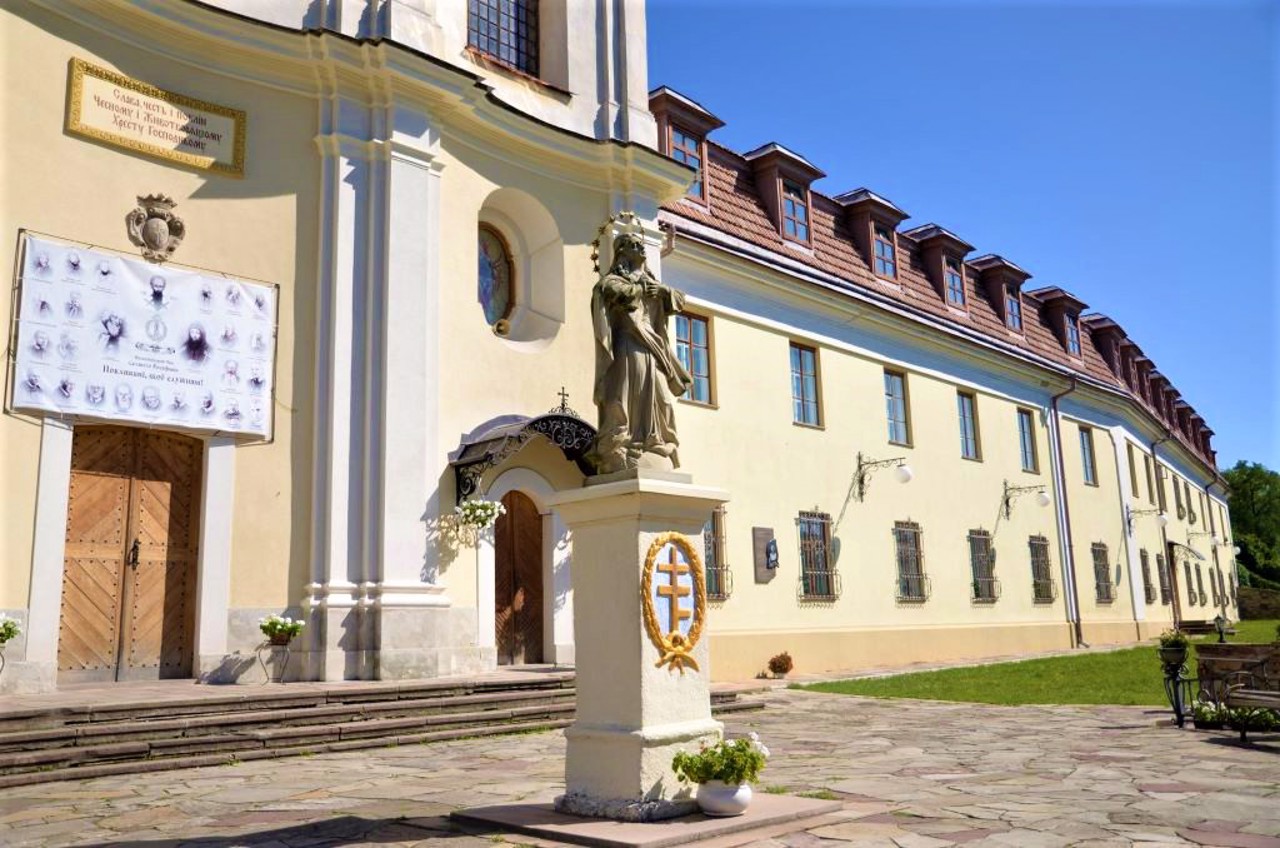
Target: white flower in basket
473 516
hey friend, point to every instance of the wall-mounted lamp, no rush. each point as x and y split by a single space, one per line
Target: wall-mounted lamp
1130 514
1236 550
866 466
1013 492
1213 537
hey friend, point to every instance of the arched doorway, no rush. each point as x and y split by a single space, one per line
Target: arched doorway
518 590
132 544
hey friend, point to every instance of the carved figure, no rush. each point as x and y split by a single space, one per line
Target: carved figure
637 374
153 227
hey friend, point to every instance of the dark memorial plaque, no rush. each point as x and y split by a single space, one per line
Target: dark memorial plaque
762 545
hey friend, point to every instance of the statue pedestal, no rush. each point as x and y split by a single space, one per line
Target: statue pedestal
633 715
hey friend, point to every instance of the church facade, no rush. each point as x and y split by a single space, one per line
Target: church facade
376 228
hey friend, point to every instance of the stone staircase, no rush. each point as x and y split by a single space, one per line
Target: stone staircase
53 742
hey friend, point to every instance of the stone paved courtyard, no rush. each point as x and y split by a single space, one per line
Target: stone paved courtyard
912 774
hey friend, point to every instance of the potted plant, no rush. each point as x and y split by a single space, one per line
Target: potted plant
1173 647
724 773
280 630
781 665
9 629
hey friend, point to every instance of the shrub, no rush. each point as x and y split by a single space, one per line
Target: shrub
781 664
1174 639
9 629
734 763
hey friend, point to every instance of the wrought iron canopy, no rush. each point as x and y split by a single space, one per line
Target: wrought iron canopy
495 445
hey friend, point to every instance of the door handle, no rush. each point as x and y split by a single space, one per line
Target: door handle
133 552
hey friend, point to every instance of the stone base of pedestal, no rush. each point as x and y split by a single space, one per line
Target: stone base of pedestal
624 809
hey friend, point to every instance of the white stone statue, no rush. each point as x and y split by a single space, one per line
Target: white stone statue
638 375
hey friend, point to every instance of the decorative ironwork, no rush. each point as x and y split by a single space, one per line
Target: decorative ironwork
1043 588
1012 493
985 586
986 590
818 578
565 430
867 465
1178 687
913 585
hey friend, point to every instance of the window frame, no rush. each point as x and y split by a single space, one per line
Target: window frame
690 318
1013 318
1103 586
948 274
975 436
1071 334
913 583
880 260
1027 439
905 400
1177 497
1043 588
1151 485
984 585
718 577
527 47
1088 456
1192 597
819 581
701 154
1166 580
1148 587
817 385
802 200
1133 469
510 259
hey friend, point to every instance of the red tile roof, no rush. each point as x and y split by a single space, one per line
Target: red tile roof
733 206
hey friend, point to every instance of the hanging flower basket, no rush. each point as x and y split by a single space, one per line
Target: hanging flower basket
473 516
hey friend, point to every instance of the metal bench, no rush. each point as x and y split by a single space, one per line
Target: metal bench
1253 688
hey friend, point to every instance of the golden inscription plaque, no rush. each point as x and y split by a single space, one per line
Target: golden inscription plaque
114 109
674 600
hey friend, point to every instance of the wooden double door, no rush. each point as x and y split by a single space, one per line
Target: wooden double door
518 581
129 574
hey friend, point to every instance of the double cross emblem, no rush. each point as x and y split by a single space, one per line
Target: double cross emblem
678 568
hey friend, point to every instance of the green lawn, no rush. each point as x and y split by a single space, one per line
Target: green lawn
1130 676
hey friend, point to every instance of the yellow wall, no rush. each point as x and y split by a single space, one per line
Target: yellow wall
260 227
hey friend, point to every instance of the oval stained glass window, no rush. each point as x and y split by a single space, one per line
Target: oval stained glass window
495 275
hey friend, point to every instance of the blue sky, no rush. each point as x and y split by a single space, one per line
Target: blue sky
1124 151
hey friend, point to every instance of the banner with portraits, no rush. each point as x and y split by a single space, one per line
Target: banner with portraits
113 337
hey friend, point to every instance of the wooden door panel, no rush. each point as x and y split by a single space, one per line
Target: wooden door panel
89 631
504 588
518 581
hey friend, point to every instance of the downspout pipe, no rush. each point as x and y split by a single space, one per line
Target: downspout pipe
1164 531
1068 550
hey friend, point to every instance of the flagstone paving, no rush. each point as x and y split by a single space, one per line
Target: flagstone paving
911 774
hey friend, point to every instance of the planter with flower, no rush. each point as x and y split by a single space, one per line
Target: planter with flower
1173 647
280 630
9 629
724 773
781 664
473 516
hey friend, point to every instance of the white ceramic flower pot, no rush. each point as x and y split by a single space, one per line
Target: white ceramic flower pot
716 798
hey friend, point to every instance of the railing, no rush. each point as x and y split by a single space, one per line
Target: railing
719 582
1204 599
985 589
819 585
1104 590
1044 590
1150 592
913 588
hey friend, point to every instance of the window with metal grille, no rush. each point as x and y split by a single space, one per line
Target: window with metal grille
506 30
687 148
895 400
818 579
804 385
1204 599
954 278
693 348
1166 587
886 259
719 580
1027 441
1192 597
1148 588
1102 574
982 564
1043 590
912 583
795 211
967 408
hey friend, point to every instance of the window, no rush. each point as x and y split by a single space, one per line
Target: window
1207 509
1133 470
1160 492
804 385
1148 588
953 277
1013 308
1191 589
1073 334
1177 498
1151 488
495 276
1204 599
795 211
687 148
818 579
1042 588
1086 457
982 564
693 347
912 584
1213 588
1102 574
1191 507
1027 440
506 30
967 407
886 260
1162 572
895 400
719 580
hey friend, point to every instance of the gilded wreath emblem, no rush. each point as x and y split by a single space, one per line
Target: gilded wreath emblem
672 557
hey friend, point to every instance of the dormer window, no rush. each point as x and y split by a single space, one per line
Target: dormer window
505 30
795 211
953 276
886 260
1013 309
1073 334
687 148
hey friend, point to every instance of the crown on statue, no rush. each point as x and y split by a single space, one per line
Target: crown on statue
624 227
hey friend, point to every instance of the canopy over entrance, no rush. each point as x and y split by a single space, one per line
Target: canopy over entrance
492 444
